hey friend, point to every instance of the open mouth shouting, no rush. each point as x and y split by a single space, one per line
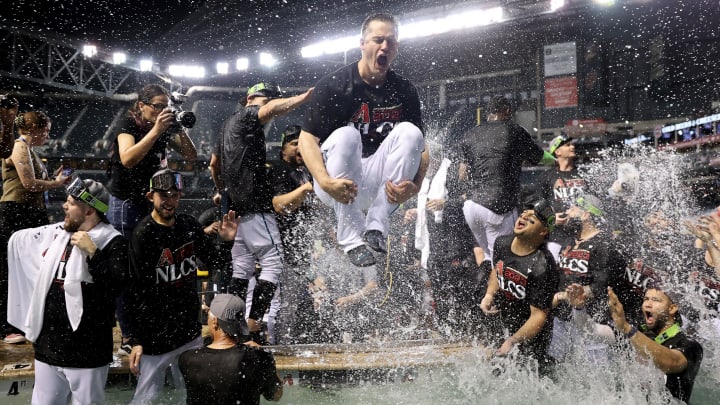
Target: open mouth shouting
382 61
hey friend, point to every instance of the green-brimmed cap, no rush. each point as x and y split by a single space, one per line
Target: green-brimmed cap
591 204
557 142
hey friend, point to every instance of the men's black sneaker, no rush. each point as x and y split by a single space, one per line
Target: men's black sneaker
375 240
361 256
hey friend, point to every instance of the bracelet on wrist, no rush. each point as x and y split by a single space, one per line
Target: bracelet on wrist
632 333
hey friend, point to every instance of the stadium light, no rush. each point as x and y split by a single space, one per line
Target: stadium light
242 64
146 65
267 59
423 28
186 71
89 50
119 58
222 68
556 4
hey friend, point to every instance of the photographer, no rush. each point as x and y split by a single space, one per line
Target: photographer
139 151
8 112
25 184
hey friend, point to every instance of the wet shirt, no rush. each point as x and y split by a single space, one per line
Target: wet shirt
562 187
294 226
243 161
494 153
162 301
91 345
706 284
680 385
595 263
133 183
630 288
342 98
238 375
524 281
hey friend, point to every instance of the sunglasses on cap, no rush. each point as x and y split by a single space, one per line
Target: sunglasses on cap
167 181
78 190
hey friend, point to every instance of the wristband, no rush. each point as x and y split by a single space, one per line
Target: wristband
632 333
133 342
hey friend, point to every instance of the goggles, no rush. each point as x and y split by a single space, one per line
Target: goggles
78 190
544 212
167 181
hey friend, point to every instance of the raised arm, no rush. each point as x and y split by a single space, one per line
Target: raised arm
20 158
131 153
281 106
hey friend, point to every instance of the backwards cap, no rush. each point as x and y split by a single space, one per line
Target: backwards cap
230 313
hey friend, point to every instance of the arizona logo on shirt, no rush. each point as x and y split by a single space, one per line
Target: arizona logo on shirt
512 282
172 267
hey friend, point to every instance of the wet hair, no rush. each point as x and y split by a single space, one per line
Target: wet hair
383 17
497 104
146 95
25 121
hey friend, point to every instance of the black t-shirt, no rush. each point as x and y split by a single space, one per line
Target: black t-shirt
562 187
244 171
524 281
294 226
595 263
342 98
162 301
494 153
91 345
638 276
134 183
707 285
680 385
238 375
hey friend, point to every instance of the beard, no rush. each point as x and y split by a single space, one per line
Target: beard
71 225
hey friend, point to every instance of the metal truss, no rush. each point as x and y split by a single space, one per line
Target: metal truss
55 63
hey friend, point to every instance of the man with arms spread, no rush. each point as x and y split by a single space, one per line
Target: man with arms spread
242 173
662 341
521 285
491 156
229 371
362 141
162 302
63 282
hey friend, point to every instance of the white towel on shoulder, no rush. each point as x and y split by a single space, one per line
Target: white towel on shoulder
33 257
430 190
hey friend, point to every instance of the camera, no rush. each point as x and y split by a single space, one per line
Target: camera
184 118
7 102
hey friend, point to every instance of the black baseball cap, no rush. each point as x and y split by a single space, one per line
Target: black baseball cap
557 142
265 89
291 133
